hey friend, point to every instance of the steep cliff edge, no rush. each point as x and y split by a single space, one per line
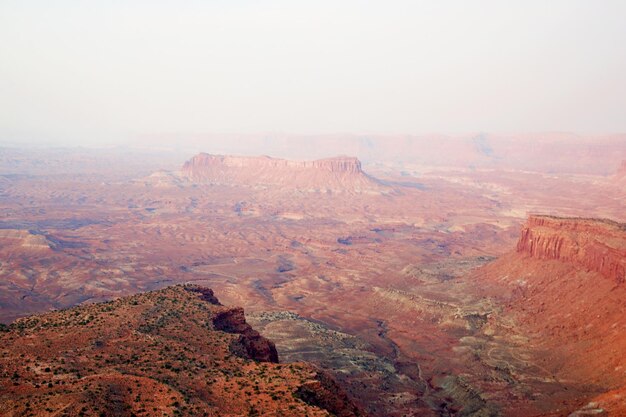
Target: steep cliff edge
563 288
331 174
252 343
176 351
597 245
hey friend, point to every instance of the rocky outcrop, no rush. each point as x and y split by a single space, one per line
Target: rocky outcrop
205 294
335 174
597 245
250 343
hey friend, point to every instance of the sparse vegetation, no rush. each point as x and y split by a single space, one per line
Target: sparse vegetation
150 354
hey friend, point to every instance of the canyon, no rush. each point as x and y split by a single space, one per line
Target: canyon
456 289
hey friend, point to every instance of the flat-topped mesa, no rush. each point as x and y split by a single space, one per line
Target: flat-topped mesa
340 164
338 174
595 244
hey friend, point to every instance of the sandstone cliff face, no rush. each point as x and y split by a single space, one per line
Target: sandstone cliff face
250 343
564 289
335 174
597 245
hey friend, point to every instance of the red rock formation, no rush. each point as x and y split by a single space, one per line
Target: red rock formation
336 174
203 161
596 245
250 343
563 288
206 294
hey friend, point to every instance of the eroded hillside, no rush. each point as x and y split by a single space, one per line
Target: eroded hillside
175 351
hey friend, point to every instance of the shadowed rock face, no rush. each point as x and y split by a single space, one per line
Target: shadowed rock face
337 174
597 245
254 345
250 344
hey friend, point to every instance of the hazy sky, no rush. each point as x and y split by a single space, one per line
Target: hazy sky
103 71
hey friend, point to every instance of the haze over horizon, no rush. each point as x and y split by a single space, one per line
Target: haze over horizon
85 73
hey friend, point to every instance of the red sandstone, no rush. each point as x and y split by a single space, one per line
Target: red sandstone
593 244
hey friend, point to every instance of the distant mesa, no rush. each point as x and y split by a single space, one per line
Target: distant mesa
551 152
331 174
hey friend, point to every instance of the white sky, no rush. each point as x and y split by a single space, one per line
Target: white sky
102 71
